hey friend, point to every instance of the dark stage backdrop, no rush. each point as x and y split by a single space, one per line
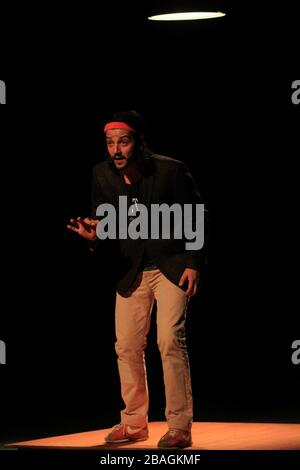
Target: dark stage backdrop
220 100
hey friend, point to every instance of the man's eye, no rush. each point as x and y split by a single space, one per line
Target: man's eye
124 142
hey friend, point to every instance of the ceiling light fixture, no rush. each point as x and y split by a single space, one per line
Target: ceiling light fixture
195 15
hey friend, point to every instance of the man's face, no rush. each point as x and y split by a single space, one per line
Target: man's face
121 147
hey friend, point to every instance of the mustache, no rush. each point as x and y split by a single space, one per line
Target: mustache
119 156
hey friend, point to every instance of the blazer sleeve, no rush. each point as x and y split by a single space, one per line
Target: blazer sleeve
187 192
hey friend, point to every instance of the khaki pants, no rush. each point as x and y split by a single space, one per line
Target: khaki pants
133 312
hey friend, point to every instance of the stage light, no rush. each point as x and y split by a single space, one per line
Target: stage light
187 16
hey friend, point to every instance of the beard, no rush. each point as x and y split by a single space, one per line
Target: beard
121 161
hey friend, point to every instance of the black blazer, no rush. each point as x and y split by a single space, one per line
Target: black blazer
165 180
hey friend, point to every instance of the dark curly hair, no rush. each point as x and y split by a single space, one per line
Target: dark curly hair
132 118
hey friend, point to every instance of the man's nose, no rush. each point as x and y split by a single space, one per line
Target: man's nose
116 149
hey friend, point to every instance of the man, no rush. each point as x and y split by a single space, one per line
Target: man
147 270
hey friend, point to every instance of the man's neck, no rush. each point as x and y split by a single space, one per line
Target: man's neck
132 174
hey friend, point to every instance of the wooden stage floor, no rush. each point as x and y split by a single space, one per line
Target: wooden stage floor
206 436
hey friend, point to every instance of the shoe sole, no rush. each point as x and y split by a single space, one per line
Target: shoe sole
120 441
174 447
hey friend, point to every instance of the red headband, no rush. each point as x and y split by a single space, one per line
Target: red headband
118 125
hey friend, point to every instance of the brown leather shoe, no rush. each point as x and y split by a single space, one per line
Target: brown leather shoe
176 439
125 433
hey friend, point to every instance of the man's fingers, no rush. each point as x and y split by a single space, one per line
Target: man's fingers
90 221
190 288
80 221
182 279
80 226
75 225
195 290
88 227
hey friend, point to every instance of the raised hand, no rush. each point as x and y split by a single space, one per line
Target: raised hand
86 227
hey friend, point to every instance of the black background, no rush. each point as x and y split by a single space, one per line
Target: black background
215 94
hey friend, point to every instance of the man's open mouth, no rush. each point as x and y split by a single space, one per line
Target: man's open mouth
119 158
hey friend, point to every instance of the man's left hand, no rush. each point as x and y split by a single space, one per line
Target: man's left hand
192 276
